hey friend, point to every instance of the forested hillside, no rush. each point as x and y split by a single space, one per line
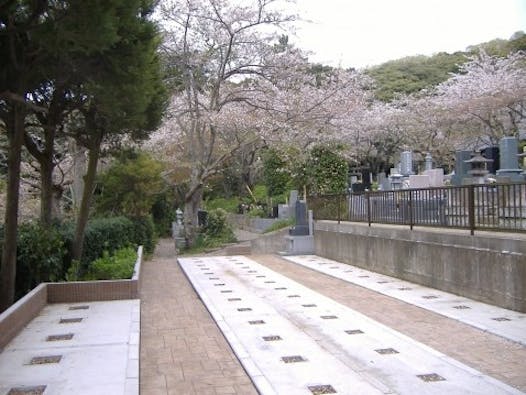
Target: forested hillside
411 74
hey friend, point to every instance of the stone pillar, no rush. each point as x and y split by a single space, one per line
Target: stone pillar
509 159
406 163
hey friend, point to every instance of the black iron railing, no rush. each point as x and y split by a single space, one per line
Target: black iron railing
500 207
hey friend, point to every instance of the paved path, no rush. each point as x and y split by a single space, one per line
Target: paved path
182 349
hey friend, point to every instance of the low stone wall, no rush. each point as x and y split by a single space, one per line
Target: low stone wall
270 243
19 314
24 310
489 267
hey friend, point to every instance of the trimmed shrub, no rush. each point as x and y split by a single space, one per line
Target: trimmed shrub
40 257
144 233
119 265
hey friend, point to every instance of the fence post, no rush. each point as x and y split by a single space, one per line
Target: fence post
339 208
471 209
368 199
411 209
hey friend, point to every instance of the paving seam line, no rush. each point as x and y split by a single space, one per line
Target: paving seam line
257 377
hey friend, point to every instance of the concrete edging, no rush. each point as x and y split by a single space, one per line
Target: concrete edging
28 307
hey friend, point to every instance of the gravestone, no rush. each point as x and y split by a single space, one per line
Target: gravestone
461 167
428 162
436 177
302 224
419 181
509 159
493 154
406 163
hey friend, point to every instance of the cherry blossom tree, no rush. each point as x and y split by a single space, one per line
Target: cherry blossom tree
488 96
235 83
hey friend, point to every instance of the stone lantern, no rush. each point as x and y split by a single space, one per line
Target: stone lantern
479 167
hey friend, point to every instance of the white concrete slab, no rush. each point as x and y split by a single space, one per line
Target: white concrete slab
502 322
314 327
102 357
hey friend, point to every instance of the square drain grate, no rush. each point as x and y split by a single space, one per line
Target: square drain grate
404 289
354 332
272 338
226 291
382 282
45 359
244 309
461 307
209 273
32 390
260 276
348 271
54 338
293 296
386 351
364 276
252 271
69 320
270 282
234 299
501 319
83 307
428 378
430 297
219 285
308 305
280 288
328 317
321 389
293 359
256 322
213 278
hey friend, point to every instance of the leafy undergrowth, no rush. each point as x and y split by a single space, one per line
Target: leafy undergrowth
112 267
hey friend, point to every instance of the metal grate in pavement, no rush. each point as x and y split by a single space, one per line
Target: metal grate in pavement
33 390
321 389
431 377
53 338
293 359
69 320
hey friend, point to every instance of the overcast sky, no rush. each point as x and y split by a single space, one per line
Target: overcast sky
358 33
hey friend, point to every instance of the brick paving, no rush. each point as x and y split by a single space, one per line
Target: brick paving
182 349
495 356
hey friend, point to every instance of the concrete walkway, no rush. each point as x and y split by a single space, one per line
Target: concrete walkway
184 352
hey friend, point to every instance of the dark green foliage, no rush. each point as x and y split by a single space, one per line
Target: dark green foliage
118 265
163 213
130 185
412 74
326 172
229 205
276 174
217 225
144 233
40 257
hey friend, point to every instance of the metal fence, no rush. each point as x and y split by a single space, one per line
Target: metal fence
500 207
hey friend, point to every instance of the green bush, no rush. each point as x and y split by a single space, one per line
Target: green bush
229 205
144 233
217 225
40 257
111 267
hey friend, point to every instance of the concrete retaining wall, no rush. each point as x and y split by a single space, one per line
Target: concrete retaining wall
270 243
490 267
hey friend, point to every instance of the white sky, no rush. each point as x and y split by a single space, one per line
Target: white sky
358 33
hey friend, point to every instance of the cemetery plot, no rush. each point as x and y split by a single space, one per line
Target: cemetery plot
321 346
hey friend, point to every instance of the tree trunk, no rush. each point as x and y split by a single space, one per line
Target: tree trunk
85 204
79 169
192 203
46 191
15 129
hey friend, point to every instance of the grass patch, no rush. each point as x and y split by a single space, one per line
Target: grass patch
282 223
